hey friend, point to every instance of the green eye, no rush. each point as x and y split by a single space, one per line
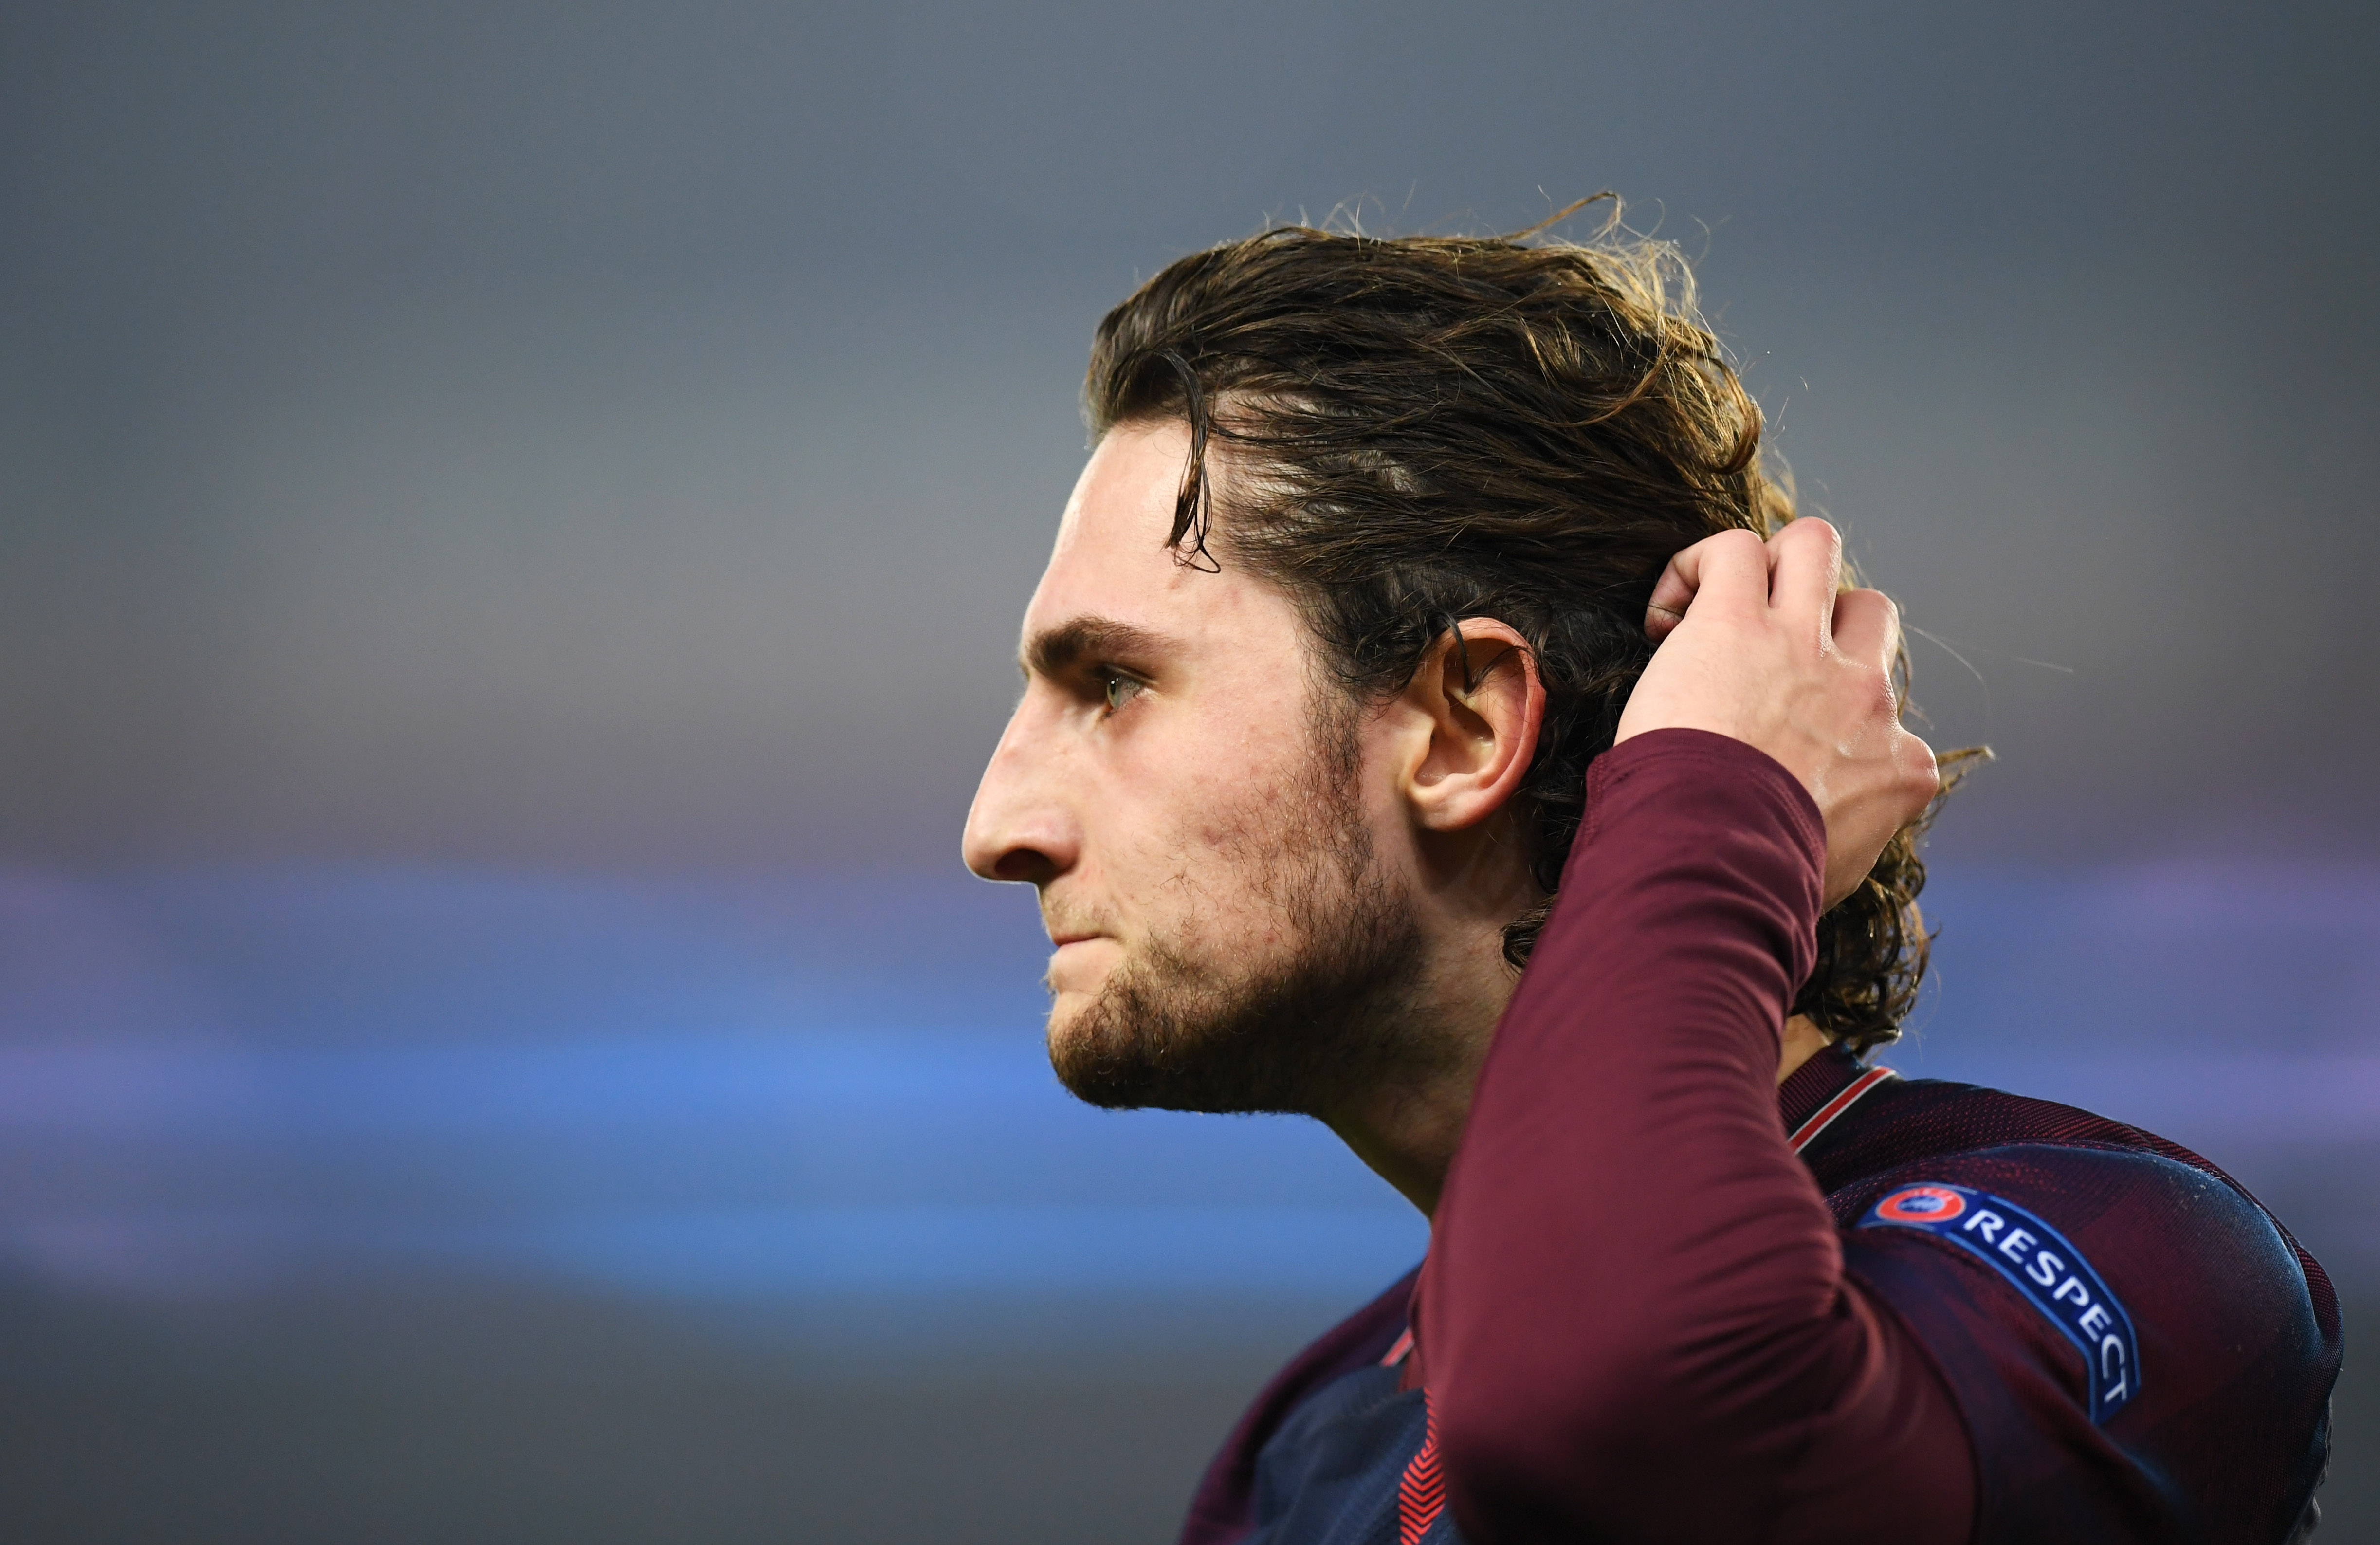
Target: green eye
1119 689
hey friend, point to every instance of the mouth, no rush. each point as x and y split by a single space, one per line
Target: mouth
1073 967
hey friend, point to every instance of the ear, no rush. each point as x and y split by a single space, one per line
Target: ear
1468 724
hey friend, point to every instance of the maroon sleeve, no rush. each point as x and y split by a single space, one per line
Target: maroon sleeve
1635 1310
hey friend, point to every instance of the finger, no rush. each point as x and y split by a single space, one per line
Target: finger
1672 593
1808 559
1732 561
1868 627
1924 772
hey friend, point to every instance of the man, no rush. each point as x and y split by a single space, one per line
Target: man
1342 705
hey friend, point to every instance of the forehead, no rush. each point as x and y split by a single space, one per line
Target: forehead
1110 560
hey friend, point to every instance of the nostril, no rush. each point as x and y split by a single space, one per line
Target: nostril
1023 865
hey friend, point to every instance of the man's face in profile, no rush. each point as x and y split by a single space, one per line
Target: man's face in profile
1187 794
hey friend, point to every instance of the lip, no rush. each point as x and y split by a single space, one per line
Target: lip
1059 941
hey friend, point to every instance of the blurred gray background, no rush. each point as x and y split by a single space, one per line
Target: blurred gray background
513 521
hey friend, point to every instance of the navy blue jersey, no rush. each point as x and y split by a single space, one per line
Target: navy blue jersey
2137 1350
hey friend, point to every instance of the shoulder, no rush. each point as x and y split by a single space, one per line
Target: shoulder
1905 1119
2128 1333
2134 1195
2172 1256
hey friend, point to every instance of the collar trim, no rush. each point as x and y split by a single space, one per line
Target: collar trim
1826 1115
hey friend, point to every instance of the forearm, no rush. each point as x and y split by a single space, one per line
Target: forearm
1636 1314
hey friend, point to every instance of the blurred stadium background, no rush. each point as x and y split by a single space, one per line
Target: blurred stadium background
512 525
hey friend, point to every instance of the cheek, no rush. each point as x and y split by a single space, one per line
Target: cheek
1221 832
1191 834
1242 791
1252 849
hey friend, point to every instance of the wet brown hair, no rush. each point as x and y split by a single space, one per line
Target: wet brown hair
1422 429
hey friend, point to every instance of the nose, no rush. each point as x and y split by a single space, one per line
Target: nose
1020 827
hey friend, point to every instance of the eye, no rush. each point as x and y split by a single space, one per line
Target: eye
1117 688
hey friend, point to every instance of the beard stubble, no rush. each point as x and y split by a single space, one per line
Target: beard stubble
1295 1033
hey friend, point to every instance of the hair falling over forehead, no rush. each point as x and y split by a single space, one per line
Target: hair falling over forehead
1416 430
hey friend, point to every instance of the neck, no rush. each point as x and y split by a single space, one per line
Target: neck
1408 1129
1407 1122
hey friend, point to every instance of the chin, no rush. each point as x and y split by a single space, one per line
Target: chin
1067 1010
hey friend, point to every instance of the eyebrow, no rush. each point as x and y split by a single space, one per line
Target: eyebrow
1054 650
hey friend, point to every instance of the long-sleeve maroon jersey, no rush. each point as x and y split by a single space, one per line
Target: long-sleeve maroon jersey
1907 1311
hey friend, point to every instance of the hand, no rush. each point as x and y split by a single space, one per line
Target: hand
1756 644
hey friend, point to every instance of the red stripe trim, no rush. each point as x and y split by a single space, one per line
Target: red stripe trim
1421 1494
1825 1115
1399 1349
